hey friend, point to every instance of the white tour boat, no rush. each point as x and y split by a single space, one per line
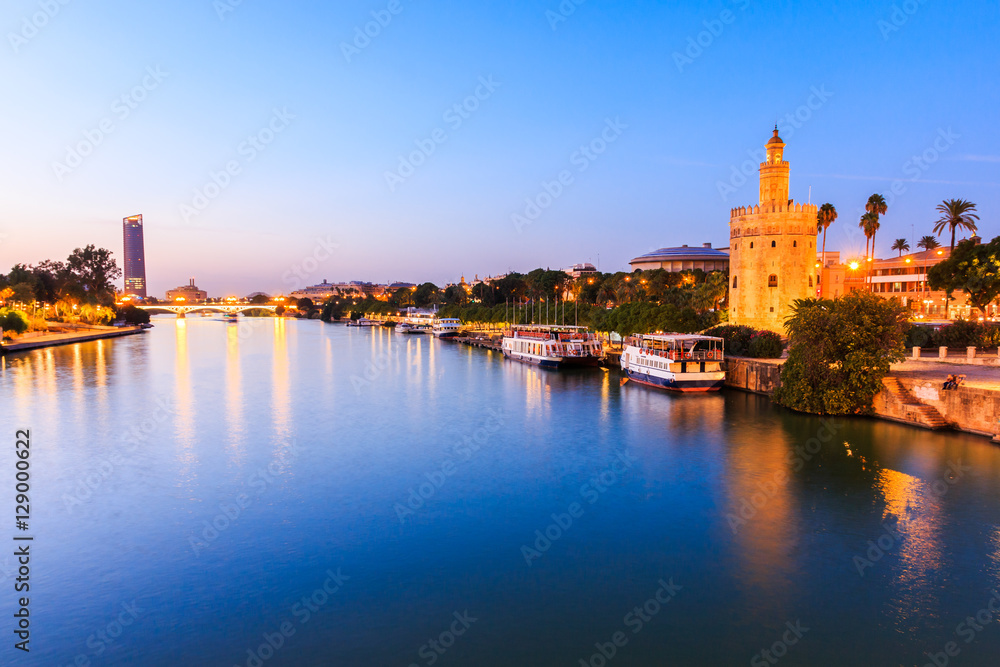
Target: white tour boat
678 362
446 327
553 346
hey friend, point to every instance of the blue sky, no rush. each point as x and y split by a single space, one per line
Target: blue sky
874 84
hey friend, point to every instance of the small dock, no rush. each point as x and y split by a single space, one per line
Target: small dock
481 340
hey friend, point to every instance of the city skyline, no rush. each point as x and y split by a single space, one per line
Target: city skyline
281 149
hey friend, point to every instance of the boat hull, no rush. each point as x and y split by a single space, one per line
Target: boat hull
445 334
685 386
554 362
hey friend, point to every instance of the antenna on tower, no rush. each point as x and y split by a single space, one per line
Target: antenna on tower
810 194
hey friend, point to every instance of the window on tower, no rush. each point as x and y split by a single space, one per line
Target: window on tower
772 280
774 244
735 279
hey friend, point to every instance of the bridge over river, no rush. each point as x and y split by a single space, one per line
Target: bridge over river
182 310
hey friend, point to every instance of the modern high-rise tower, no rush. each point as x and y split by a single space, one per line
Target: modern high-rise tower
135 257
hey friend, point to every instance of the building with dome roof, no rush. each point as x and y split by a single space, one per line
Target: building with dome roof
675 260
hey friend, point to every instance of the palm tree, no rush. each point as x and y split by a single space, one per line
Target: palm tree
825 217
956 213
900 245
928 243
869 225
876 205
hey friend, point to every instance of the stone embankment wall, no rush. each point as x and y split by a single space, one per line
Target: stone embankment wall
970 409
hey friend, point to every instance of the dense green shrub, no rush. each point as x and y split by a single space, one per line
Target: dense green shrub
840 351
744 341
131 314
961 333
766 345
13 320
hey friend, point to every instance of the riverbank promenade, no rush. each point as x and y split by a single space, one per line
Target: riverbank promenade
82 335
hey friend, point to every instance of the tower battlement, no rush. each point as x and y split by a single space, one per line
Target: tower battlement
774 207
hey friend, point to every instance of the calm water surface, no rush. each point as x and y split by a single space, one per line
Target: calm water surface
417 472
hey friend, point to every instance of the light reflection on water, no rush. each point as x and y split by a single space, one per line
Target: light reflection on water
345 423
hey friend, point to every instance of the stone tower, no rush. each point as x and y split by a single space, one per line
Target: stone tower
772 249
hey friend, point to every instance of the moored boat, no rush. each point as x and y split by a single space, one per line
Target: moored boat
446 327
678 362
553 346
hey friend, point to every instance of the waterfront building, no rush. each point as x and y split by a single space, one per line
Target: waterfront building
135 257
675 260
578 270
902 278
772 249
190 293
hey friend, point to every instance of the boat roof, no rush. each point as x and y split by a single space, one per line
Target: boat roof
546 327
676 337
448 319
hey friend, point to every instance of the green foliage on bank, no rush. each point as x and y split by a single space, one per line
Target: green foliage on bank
961 333
13 321
840 350
744 341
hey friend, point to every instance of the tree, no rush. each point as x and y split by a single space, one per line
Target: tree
95 271
259 299
825 216
956 213
869 225
928 243
13 321
876 206
900 245
305 304
839 352
973 268
426 295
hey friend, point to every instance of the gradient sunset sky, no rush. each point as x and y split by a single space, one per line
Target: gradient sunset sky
692 90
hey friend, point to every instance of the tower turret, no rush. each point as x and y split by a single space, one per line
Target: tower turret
774 173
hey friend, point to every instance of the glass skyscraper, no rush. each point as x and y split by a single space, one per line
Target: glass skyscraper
135 257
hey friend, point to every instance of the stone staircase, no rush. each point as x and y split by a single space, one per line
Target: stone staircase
923 415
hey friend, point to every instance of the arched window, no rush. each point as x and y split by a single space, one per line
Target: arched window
772 280
795 244
735 278
810 281
774 244
751 245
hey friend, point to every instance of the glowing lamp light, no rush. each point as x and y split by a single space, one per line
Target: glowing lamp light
854 266
908 260
940 252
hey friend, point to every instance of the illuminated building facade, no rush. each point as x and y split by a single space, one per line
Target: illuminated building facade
135 257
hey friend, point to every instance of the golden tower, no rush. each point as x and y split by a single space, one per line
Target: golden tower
772 249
